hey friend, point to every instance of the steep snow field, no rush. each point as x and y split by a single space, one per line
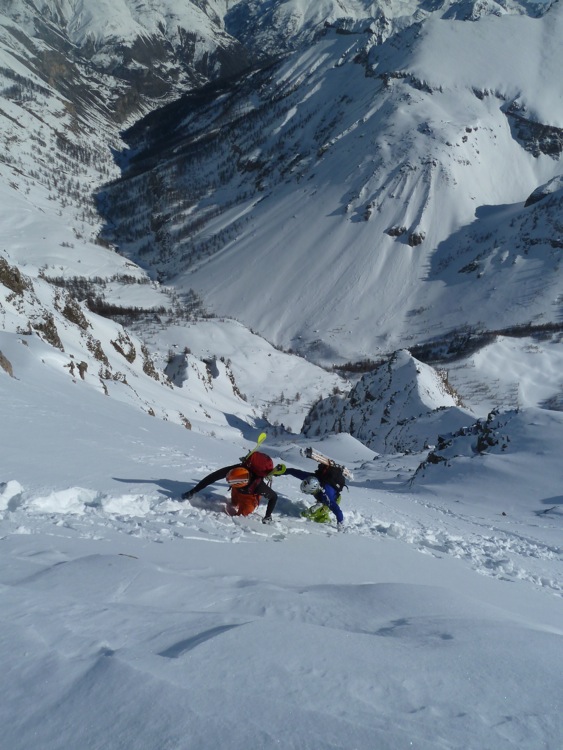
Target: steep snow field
133 620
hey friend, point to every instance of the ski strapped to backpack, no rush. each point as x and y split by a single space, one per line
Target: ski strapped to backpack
260 464
320 458
259 440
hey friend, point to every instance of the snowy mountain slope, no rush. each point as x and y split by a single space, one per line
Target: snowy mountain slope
287 24
84 164
51 143
280 387
49 282
400 407
131 619
510 373
500 72
391 155
519 246
404 405
115 463
144 51
44 328
72 73
503 268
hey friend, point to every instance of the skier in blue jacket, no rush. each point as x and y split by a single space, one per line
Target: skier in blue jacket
323 492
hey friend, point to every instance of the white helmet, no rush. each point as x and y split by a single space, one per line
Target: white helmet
310 486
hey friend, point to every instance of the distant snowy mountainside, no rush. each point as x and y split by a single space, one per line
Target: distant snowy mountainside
400 407
45 327
72 73
288 24
378 187
145 50
212 376
444 55
281 387
396 149
500 270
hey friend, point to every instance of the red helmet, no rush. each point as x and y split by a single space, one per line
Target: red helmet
238 477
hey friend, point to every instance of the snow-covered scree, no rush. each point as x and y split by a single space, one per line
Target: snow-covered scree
133 620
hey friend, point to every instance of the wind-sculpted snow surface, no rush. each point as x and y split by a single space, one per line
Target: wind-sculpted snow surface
130 619
139 651
489 550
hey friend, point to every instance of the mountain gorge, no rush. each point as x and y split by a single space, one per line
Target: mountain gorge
344 179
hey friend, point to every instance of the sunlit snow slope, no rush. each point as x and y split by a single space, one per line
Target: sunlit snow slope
361 185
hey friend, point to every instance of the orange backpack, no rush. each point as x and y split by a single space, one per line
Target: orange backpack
244 503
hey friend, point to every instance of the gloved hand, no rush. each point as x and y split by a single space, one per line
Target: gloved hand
267 519
188 495
279 469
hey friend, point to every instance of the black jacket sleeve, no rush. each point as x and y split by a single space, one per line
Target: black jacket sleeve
213 477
